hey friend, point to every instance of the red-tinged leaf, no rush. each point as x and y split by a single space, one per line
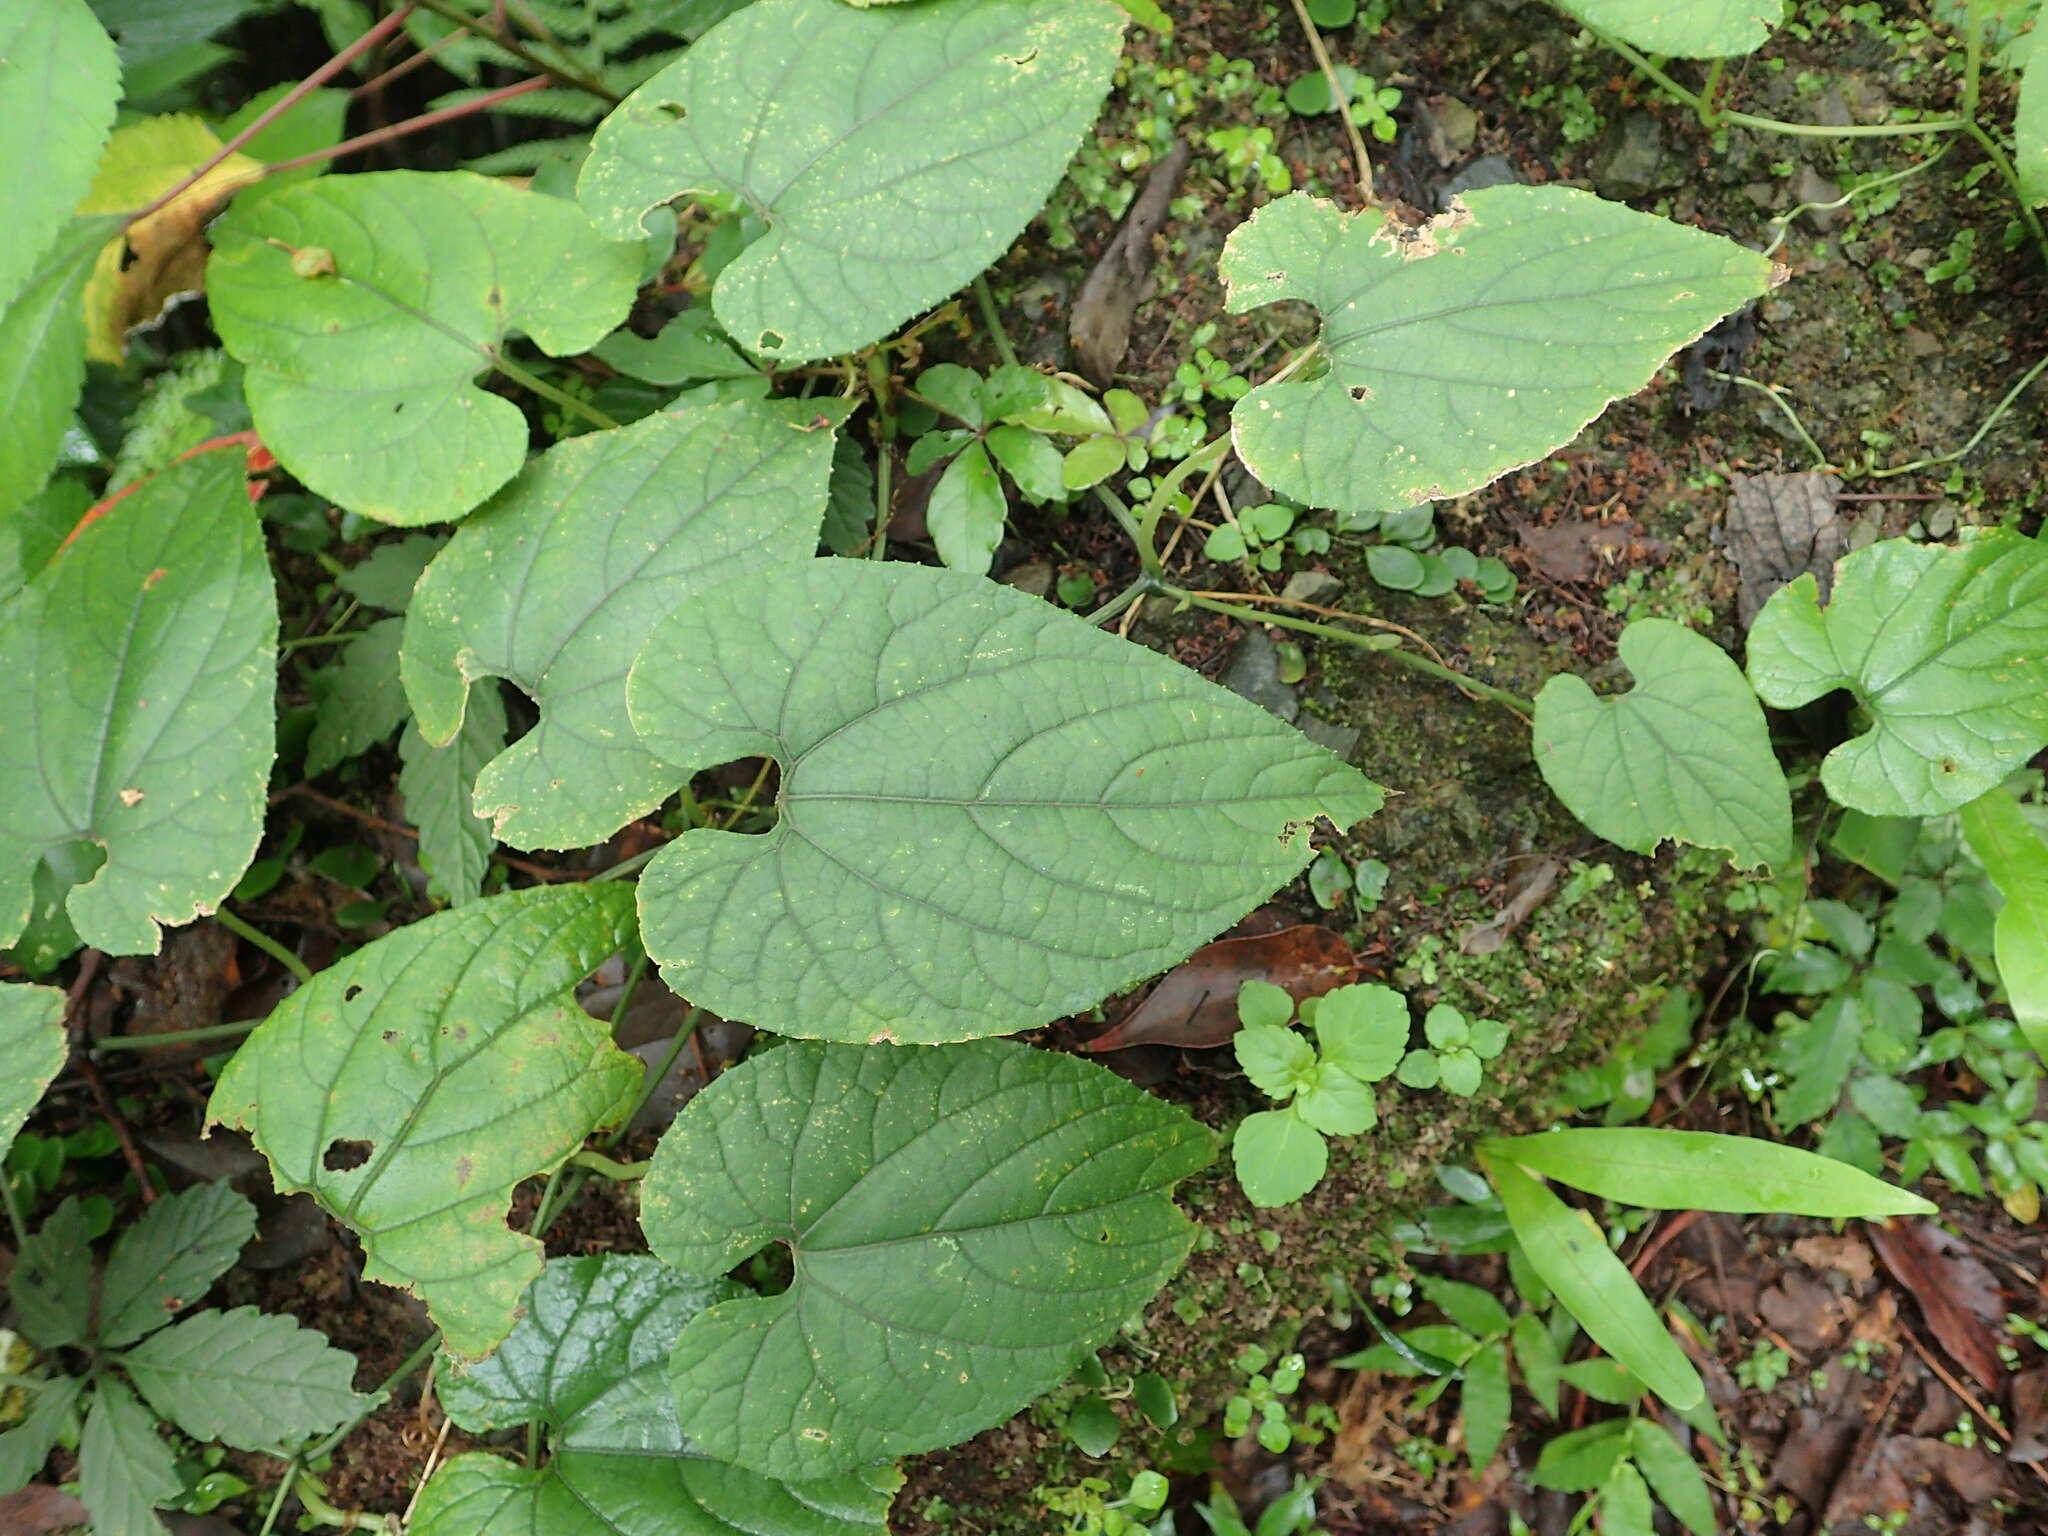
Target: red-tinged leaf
1195 1004
1938 1280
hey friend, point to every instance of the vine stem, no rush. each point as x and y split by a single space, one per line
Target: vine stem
1339 95
518 50
993 320
609 1168
410 126
291 98
175 1037
266 943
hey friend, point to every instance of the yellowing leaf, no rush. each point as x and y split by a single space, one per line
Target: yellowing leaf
141 163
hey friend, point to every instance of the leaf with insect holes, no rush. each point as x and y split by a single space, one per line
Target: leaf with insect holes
1469 346
168 1260
33 1048
893 153
411 1085
59 83
1684 755
558 581
1945 647
1028 1192
245 1378
42 357
365 307
1683 29
992 813
588 1361
143 660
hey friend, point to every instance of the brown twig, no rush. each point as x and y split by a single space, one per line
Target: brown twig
410 126
1339 95
89 1072
400 829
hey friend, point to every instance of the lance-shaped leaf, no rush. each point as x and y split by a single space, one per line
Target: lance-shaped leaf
59 81
412 1085
1684 755
1468 346
589 1361
455 843
560 580
42 357
893 153
1683 29
32 1051
1946 647
2016 859
365 307
143 664
1027 1192
992 813
246 1378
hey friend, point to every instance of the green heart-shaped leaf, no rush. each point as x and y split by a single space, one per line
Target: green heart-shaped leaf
894 153
410 1086
1468 346
364 308
992 813
1683 29
1026 1191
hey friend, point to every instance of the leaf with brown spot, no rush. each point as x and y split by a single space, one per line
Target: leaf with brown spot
1195 1003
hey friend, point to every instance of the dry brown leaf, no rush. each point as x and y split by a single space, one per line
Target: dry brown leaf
1195 1003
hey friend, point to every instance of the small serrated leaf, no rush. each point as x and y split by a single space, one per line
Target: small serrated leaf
51 1284
33 1048
1028 1190
359 700
410 1086
455 842
169 1259
252 1380
125 1471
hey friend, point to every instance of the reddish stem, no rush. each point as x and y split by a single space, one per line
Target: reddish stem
284 104
100 509
411 125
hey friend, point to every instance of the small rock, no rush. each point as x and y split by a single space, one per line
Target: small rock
1633 160
1809 186
1457 124
1033 577
1254 673
1486 171
1920 344
1340 739
1311 587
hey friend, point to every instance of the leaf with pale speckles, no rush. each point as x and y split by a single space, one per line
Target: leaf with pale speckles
992 813
894 152
1683 29
1027 1192
33 1047
142 660
1469 346
365 307
409 1087
589 1362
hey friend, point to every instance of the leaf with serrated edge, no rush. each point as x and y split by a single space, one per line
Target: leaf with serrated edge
1469 346
24 1448
125 1471
589 1360
244 1378
557 583
894 153
455 843
2016 859
992 813
360 700
1027 1191
51 1285
1683 29
1568 1251
42 357
1685 754
1670 1170
33 1047
59 82
1946 647
167 1261
410 1086
362 374
143 660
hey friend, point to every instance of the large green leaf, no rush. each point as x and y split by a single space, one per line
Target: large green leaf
992 813
2030 118
1683 29
143 664
33 1047
893 153
364 307
1946 647
412 1085
125 1470
2013 854
42 357
252 1380
167 1260
1697 1170
59 81
1685 754
559 581
589 1360
1469 346
1569 1252
966 1224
